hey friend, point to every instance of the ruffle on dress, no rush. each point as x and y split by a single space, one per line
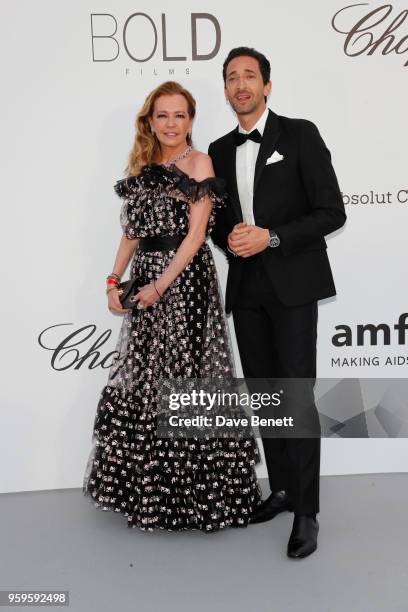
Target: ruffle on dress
159 177
156 201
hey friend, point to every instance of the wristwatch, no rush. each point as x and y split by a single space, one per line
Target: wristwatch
273 239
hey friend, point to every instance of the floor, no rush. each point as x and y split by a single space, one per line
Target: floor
57 540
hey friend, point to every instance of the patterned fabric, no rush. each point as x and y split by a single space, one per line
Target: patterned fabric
165 483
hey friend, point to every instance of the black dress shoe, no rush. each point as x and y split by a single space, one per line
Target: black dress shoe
303 539
273 505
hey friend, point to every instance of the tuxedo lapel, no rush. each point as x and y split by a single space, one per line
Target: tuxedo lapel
231 155
268 144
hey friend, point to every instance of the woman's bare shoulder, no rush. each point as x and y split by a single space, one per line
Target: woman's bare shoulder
200 165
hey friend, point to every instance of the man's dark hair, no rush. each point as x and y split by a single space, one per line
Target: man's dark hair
264 65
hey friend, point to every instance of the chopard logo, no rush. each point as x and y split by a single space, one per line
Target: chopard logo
380 31
72 351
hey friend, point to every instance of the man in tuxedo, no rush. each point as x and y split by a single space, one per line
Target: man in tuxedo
284 198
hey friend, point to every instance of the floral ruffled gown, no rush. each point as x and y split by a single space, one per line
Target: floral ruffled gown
165 483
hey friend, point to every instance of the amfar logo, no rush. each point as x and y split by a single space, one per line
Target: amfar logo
371 334
375 31
141 35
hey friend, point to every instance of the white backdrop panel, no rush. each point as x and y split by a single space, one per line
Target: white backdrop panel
67 127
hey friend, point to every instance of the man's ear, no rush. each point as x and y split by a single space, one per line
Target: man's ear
268 88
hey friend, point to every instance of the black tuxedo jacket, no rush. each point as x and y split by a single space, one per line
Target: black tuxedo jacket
298 197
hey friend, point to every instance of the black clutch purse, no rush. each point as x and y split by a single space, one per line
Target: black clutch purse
128 289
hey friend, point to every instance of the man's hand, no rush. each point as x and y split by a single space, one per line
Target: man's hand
246 240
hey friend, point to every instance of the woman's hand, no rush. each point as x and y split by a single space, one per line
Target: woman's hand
114 304
146 296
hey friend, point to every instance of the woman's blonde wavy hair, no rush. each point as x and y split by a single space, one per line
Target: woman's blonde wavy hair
146 149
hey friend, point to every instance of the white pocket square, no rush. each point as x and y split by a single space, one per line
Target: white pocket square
275 157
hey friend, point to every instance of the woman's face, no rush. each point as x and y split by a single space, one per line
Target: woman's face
171 121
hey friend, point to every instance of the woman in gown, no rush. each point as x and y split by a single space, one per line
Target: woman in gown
177 330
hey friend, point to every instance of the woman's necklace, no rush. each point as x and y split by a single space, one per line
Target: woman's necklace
181 155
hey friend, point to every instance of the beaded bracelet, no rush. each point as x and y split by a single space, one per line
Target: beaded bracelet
113 275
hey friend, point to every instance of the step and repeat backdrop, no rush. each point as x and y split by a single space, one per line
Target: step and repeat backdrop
74 75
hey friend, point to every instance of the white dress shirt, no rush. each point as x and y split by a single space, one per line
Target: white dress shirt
247 154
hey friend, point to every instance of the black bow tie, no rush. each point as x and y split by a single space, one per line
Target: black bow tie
240 138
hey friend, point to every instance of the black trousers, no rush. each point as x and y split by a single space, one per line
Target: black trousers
276 341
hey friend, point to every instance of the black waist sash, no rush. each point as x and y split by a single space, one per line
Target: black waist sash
160 243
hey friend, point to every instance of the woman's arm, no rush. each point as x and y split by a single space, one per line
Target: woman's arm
124 254
199 215
196 235
198 220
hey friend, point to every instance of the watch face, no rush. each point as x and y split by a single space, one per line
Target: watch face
274 240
